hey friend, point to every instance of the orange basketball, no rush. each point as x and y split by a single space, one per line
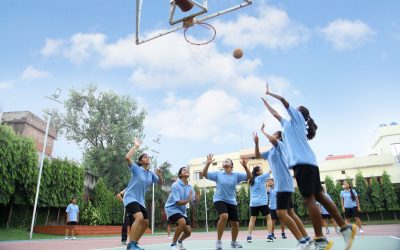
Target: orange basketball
237 53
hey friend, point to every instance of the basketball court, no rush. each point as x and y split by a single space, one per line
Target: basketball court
385 237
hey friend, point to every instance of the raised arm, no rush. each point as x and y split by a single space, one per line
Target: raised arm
280 98
272 110
257 147
243 161
208 163
271 138
129 155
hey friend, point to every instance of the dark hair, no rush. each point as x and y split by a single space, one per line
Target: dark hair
353 197
254 174
311 126
279 134
180 172
140 158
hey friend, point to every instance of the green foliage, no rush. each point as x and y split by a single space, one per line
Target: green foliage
106 123
298 203
339 188
376 196
211 211
7 163
389 193
243 200
90 215
332 191
110 209
363 193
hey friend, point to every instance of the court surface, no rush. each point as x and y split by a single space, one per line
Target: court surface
381 237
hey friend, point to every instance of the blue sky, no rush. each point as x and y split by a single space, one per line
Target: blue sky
338 58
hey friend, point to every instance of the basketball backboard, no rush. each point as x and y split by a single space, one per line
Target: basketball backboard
157 18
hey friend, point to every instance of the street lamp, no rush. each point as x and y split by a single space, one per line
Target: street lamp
153 205
54 97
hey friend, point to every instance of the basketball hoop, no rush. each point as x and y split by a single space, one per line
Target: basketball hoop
199 37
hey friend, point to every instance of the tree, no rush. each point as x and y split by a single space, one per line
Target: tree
7 163
377 197
298 203
363 196
243 204
332 191
389 194
211 211
105 124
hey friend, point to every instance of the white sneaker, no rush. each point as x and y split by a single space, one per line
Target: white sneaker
66 238
348 235
180 246
74 238
304 246
174 247
218 245
235 244
361 231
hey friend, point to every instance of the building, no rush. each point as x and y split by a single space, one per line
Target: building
384 156
29 125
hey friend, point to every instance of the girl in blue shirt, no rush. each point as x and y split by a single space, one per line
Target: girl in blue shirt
134 199
284 186
302 160
351 204
258 197
225 197
181 194
271 192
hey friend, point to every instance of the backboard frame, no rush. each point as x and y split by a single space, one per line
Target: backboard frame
180 22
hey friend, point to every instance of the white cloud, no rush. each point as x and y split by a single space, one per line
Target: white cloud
345 34
195 119
6 85
77 49
31 73
52 47
271 28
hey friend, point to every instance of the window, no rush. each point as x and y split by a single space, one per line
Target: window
214 163
343 172
395 147
197 176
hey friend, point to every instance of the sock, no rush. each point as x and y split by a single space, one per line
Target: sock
307 238
179 241
173 244
302 240
272 235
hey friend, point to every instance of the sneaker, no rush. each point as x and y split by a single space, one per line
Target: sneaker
74 238
274 238
327 231
337 230
218 245
133 246
174 247
270 238
361 231
66 238
323 244
124 243
180 246
235 244
348 235
303 246
283 236
249 239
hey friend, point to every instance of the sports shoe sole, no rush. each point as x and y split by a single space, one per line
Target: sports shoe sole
353 234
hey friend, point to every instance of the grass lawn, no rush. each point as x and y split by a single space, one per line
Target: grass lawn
23 234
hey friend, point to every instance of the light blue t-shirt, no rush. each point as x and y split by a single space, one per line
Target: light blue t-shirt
295 139
277 159
179 191
72 210
258 191
226 185
140 180
323 210
272 199
346 196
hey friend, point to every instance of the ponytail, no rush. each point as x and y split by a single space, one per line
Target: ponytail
254 175
311 126
353 197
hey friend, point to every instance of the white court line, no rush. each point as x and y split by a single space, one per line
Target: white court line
394 237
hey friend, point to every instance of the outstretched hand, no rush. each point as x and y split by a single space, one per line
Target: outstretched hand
243 160
255 137
210 158
137 142
159 171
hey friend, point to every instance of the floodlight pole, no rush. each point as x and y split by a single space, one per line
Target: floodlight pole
153 205
53 98
205 202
